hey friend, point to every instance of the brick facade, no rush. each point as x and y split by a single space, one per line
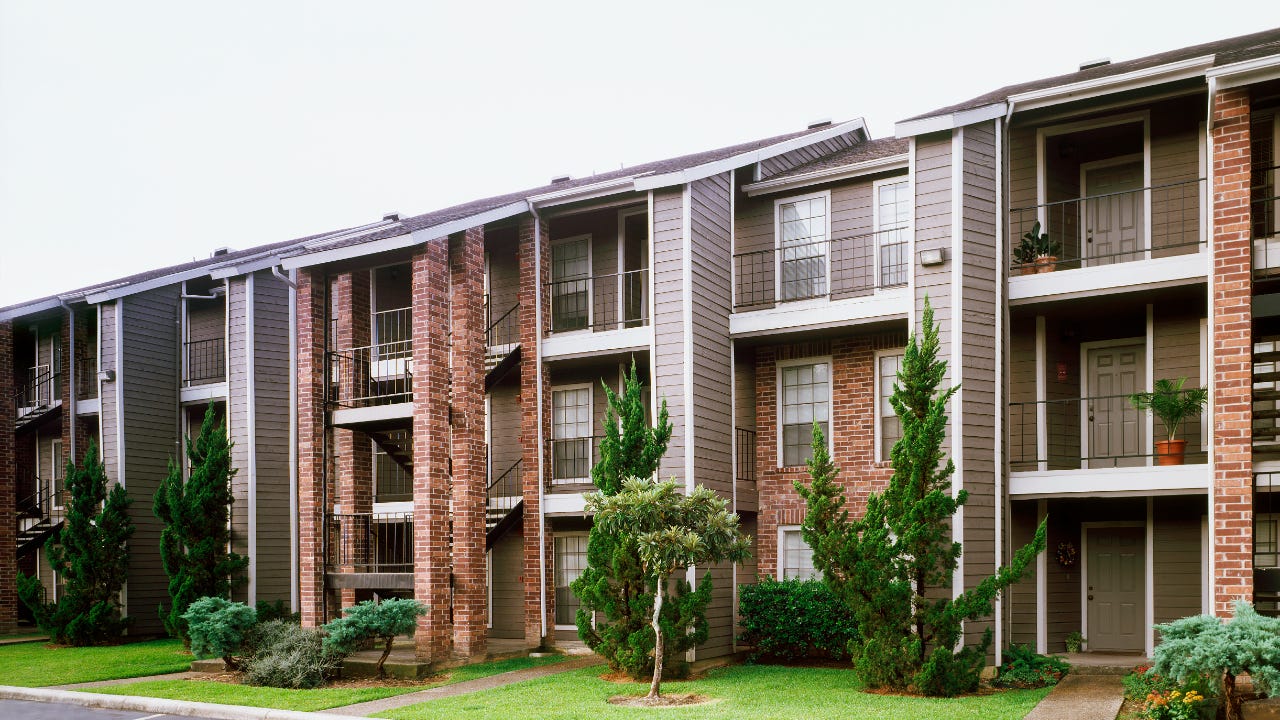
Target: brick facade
8 481
852 434
310 327
1231 324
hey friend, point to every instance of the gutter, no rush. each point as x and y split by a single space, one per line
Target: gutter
844 172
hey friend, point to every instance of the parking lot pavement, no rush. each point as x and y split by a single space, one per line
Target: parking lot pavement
27 710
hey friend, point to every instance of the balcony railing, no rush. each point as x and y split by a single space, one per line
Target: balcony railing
206 361
600 302
573 458
506 490
1113 227
370 542
392 326
375 375
1087 434
504 330
746 470
840 268
42 387
86 376
1263 196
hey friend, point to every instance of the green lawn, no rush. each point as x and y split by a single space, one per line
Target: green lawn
36 664
212 691
760 692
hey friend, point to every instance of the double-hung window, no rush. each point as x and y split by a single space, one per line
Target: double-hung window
803 245
805 390
571 284
888 426
570 560
795 557
571 434
893 216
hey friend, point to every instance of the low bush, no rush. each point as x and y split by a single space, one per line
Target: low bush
1025 668
289 656
790 620
367 622
268 611
219 628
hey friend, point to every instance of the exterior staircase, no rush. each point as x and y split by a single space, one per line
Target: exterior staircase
38 399
37 519
1266 398
504 497
502 346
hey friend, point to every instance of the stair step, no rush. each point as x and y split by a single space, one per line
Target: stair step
1266 433
1266 357
1266 395
1266 413
1266 376
1266 449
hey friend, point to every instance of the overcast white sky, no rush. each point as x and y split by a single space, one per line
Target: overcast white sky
140 134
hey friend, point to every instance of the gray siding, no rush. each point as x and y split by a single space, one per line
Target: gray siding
506 567
271 390
206 320
1176 557
933 229
1021 605
504 270
238 400
504 419
1176 339
110 394
150 417
668 326
780 163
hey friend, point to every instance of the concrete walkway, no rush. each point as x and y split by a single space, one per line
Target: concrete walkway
469 686
127 681
1081 697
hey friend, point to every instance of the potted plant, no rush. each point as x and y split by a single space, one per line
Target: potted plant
1075 642
1172 404
1024 256
1043 250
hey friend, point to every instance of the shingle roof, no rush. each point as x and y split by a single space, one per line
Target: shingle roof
860 153
1231 50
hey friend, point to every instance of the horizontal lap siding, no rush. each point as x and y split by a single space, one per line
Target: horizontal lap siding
206 320
1176 337
271 383
506 557
504 427
668 326
504 270
150 419
1021 607
933 230
785 161
1176 557
238 417
110 392
1175 158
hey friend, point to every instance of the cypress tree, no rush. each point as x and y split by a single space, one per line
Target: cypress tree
90 553
195 542
884 563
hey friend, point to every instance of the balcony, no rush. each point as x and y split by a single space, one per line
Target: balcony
374 383
1094 238
204 361
370 543
502 342
599 313
1266 223
40 393
86 376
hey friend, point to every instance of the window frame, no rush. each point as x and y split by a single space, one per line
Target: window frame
878 396
591 302
778 410
591 413
555 566
781 569
777 244
876 228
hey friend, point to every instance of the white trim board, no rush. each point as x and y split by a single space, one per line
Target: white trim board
882 306
1113 482
1150 274
826 175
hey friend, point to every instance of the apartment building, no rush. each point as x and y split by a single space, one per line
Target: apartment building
132 365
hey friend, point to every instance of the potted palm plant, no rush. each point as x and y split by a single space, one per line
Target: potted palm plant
1042 249
1172 404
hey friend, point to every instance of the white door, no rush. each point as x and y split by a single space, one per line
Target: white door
1113 210
1114 429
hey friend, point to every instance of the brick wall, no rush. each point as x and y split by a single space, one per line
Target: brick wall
8 521
470 592
311 437
852 434
1232 353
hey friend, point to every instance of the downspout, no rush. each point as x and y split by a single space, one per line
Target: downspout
251 433
537 369
71 377
293 285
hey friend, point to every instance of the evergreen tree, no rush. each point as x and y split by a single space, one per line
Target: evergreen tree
883 564
195 541
90 553
612 586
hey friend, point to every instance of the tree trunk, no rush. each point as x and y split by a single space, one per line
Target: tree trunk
658 649
386 651
230 663
1230 701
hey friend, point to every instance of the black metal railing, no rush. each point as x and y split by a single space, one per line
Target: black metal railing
1088 433
86 376
505 491
1263 197
375 375
392 326
1169 214
746 470
370 542
41 389
839 268
600 302
573 458
503 331
206 361
43 501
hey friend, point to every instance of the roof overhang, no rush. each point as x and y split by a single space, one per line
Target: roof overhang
1247 72
584 192
1111 84
949 121
825 175
30 308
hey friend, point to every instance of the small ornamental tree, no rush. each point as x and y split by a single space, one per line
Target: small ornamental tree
1204 646
883 564
372 621
219 628
613 619
196 513
91 555
670 531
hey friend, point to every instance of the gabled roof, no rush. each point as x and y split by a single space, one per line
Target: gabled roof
872 156
1212 54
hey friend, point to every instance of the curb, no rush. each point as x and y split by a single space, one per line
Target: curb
160 706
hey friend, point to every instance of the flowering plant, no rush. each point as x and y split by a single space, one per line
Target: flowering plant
1173 705
1066 554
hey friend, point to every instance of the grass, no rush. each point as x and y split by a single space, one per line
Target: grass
761 692
37 664
213 691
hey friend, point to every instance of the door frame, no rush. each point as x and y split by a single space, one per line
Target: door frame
1085 347
1147 616
1138 158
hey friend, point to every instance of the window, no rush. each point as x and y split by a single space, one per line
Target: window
806 399
1266 550
571 434
571 560
570 284
795 557
57 470
888 426
893 215
802 247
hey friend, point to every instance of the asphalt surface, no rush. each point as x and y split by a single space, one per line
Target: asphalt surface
27 710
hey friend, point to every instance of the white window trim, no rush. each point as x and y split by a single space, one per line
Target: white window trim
831 400
554 559
590 279
782 534
777 240
591 413
875 221
879 429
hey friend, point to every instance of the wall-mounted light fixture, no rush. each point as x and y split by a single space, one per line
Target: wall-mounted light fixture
932 256
107 375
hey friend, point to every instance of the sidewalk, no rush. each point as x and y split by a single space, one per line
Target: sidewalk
1081 697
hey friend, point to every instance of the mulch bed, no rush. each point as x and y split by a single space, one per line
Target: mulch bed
237 678
662 701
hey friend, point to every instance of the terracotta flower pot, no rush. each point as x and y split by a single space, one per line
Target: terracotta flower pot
1046 263
1170 452
1027 269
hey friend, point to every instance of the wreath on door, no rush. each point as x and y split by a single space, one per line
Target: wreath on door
1066 554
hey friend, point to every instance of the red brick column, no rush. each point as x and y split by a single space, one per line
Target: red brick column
311 437
431 491
1232 353
531 415
8 481
470 591
353 452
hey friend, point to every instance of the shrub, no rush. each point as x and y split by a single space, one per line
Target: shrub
1025 668
289 656
791 620
268 611
219 628
369 621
